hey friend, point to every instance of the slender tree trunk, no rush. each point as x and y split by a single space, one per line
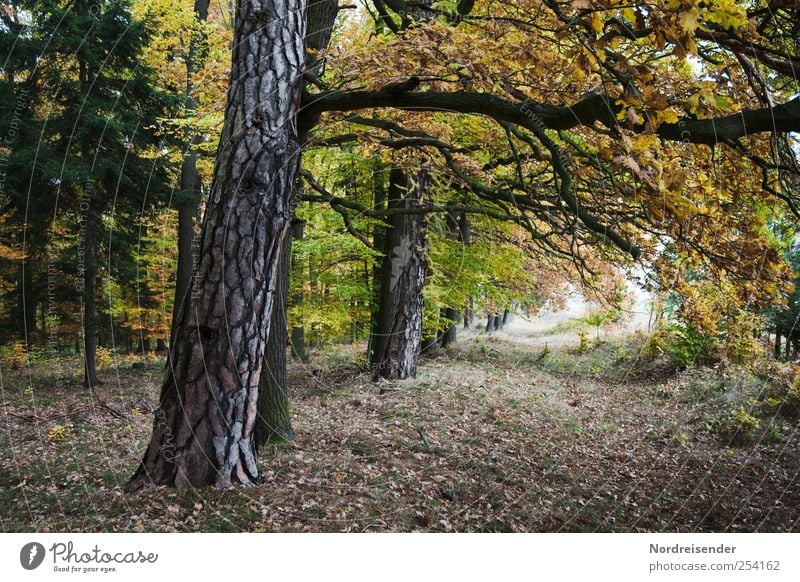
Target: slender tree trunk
89 303
402 281
449 336
465 229
429 344
299 343
89 258
203 433
27 302
778 342
378 242
189 196
274 423
43 319
298 337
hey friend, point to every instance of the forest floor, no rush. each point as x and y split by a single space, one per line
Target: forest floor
502 432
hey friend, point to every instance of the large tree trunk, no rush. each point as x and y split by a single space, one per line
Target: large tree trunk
203 432
274 424
89 302
405 263
189 197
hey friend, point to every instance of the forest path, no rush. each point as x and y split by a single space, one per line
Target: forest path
555 327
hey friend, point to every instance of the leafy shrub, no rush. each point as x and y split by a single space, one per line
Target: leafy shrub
679 438
36 354
104 357
738 427
583 346
787 392
58 433
774 435
686 346
14 355
738 340
656 343
783 392
790 405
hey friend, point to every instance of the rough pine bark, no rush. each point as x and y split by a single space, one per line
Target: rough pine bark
203 433
403 277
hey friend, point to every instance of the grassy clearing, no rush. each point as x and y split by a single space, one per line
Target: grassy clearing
489 437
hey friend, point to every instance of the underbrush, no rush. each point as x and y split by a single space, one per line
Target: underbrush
737 404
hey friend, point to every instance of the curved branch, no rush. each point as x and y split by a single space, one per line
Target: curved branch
596 108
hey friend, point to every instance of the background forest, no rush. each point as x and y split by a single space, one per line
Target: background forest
486 265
